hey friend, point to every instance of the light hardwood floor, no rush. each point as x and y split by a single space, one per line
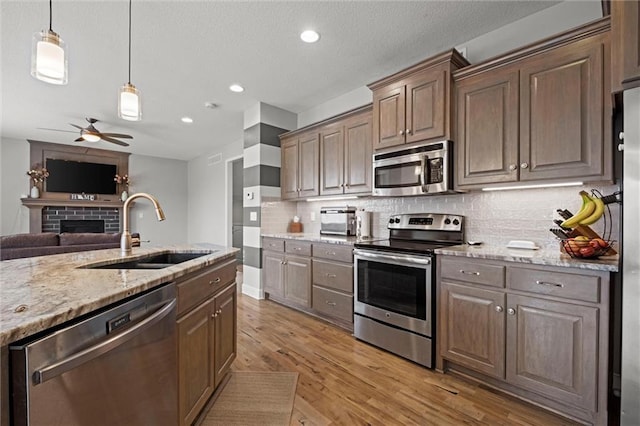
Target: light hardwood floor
343 381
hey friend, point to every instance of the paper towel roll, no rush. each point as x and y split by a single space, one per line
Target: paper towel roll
363 220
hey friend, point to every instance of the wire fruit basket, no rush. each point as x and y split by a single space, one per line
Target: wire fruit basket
585 243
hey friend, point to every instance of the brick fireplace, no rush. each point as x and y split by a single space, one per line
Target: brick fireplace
74 216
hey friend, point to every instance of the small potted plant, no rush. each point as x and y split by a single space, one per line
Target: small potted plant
124 181
37 174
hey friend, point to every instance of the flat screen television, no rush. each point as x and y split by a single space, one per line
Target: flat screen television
78 177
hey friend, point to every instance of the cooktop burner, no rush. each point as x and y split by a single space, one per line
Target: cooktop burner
419 233
403 246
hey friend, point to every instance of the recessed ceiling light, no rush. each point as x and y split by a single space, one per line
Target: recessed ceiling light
309 36
187 120
236 88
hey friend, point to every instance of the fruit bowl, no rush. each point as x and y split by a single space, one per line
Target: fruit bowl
585 248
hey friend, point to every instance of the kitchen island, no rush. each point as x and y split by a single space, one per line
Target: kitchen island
41 293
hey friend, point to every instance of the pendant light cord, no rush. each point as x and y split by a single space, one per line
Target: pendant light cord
50 14
129 41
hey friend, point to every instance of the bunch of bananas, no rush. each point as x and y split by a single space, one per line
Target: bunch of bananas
592 209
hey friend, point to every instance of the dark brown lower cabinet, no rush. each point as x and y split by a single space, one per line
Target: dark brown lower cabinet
207 342
538 332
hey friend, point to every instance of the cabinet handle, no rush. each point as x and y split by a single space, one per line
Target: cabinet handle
524 165
297 248
511 311
499 308
549 284
331 275
462 271
512 167
408 131
215 314
331 253
331 303
284 263
216 281
401 132
219 311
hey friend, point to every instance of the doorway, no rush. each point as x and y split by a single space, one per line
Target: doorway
237 209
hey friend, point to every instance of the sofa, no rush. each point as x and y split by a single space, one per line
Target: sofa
29 245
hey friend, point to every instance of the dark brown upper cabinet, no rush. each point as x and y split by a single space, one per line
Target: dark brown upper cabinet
625 44
538 113
415 104
328 158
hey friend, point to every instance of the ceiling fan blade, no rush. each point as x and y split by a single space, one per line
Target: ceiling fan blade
80 139
117 135
56 130
116 141
76 126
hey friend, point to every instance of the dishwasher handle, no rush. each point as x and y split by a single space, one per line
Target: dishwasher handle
79 358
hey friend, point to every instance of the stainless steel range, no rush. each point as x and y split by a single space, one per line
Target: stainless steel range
394 303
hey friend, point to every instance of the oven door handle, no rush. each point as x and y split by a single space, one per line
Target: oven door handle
423 173
399 258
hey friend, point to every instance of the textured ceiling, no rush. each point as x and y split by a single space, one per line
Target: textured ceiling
185 53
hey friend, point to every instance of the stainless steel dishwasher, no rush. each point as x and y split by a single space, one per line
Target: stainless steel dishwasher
118 367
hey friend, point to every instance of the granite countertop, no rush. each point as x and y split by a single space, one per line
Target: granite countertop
535 257
37 293
317 238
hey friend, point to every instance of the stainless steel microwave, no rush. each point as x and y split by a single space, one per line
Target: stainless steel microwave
418 170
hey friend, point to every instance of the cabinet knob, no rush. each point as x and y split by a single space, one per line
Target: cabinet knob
499 308
219 311
512 167
216 281
524 165
408 131
401 132
215 314
511 311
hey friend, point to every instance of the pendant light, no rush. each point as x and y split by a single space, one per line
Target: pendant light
48 56
129 105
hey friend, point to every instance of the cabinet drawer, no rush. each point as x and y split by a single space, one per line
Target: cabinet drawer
472 271
337 276
559 284
198 287
341 253
273 244
332 303
301 248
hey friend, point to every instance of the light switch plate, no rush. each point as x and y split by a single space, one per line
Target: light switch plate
249 195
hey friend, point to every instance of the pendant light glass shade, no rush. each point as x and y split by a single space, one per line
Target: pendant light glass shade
49 58
129 104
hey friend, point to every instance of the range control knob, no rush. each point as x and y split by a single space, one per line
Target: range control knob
456 222
447 221
397 220
391 220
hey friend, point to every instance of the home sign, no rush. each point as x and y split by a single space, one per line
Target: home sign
83 197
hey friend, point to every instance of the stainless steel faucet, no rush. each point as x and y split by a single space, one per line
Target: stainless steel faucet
125 240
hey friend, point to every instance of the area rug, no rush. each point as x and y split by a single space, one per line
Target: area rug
254 398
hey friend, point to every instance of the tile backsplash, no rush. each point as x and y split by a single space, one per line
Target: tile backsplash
492 217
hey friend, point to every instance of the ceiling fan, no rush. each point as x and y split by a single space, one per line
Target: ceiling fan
91 134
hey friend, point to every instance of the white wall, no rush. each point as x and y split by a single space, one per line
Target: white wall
550 21
166 180
14 183
547 22
163 178
207 195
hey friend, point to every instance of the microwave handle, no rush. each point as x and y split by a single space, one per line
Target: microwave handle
423 173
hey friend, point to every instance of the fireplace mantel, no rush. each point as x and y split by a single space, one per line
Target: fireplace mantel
35 206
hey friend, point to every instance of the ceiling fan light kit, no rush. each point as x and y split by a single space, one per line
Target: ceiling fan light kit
129 102
49 56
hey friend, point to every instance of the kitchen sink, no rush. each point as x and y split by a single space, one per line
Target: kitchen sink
154 261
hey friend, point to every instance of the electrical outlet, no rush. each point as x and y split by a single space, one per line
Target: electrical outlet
248 195
253 216
313 216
